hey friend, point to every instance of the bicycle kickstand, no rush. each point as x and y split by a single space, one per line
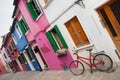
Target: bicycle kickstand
91 69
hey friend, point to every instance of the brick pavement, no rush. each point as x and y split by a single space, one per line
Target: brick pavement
62 75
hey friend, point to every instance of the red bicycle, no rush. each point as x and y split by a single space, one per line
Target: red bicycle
99 60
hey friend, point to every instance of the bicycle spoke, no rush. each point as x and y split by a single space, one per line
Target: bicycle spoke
76 67
104 63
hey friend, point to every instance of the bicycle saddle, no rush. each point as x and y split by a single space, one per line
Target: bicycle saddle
89 49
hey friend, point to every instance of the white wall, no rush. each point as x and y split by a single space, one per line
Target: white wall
89 19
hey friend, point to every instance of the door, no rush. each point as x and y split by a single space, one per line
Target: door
110 15
39 57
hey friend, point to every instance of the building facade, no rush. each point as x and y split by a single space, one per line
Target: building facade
7 60
3 68
38 23
85 24
48 31
12 52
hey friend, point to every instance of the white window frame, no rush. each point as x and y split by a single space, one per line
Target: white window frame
39 8
18 30
14 39
57 40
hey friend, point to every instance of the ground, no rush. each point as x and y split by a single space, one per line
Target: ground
114 74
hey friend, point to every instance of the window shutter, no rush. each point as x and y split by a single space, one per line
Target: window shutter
60 36
52 41
31 9
26 25
38 11
21 27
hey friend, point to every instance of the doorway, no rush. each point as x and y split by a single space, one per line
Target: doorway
39 57
110 16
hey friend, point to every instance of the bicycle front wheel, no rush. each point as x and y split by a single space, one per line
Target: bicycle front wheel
102 62
76 67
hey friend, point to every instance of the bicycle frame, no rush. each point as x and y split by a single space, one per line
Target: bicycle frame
90 64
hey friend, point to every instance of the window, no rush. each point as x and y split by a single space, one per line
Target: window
8 52
13 45
10 64
23 57
20 59
34 9
56 39
15 62
10 49
14 39
23 25
76 32
5 56
29 54
18 30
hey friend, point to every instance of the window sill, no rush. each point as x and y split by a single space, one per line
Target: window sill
27 32
83 47
39 16
61 52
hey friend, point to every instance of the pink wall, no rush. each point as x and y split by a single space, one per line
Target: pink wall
42 23
35 26
50 56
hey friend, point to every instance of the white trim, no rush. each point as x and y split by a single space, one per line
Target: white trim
14 39
39 8
83 47
22 18
28 60
27 32
19 64
40 61
39 16
17 27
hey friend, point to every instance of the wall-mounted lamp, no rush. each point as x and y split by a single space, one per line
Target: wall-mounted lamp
80 2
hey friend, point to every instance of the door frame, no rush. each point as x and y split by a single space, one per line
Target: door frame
40 58
106 7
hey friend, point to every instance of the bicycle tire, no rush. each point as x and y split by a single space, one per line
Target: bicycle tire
106 64
76 70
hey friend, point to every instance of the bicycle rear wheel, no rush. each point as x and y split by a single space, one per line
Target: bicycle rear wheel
76 67
103 62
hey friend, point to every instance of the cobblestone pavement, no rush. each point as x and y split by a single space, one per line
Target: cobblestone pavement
62 75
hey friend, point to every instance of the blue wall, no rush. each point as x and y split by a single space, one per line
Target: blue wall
21 43
36 66
28 67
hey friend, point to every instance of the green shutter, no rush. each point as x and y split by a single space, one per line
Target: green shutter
31 9
26 25
21 27
38 9
60 36
52 41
